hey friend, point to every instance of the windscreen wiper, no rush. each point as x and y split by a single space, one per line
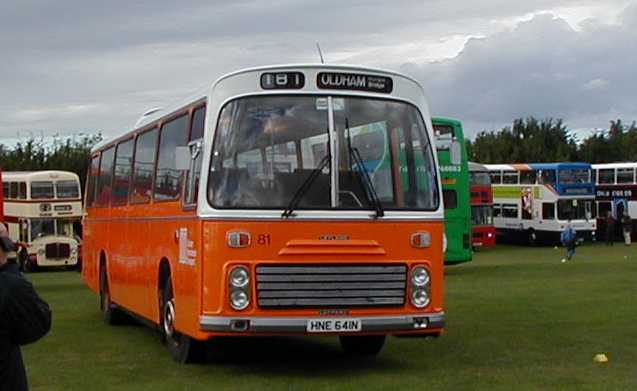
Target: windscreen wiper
368 186
305 186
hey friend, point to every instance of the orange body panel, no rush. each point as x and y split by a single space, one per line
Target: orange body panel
134 244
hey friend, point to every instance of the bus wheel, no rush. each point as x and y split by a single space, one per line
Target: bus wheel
532 237
182 348
110 313
368 345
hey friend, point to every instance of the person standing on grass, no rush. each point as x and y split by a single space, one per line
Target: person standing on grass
610 228
626 228
24 318
568 237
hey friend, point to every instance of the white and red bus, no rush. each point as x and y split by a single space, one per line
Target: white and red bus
615 193
43 211
266 207
482 228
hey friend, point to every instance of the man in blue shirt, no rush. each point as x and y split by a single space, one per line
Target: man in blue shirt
568 237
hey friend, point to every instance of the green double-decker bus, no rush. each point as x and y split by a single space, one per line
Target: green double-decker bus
454 173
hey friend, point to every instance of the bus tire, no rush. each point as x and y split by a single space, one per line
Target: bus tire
366 345
182 348
531 237
110 313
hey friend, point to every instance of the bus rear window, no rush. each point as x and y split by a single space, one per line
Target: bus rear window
41 190
67 189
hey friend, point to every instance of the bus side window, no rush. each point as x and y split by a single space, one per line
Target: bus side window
197 125
22 190
13 190
92 180
548 211
167 178
143 167
5 190
122 172
104 181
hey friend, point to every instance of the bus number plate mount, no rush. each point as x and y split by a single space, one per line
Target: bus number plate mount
333 325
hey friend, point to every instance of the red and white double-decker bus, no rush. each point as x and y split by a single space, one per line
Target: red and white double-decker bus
482 228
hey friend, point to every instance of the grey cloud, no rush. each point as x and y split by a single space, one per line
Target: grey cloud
78 65
542 68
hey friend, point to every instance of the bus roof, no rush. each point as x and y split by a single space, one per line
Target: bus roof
8 176
538 166
473 167
615 165
450 121
203 95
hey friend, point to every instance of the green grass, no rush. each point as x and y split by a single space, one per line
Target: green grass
517 319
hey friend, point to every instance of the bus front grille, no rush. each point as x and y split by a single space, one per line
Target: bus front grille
290 286
57 250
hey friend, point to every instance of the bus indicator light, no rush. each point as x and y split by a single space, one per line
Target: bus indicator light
420 240
238 239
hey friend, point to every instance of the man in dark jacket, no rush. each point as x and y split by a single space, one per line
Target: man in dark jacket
24 318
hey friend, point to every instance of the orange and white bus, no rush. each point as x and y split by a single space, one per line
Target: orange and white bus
43 211
261 208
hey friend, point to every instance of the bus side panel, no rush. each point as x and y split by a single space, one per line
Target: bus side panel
177 241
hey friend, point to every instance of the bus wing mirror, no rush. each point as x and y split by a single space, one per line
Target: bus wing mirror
182 158
455 153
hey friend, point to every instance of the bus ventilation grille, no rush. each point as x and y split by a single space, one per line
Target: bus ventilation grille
57 250
290 286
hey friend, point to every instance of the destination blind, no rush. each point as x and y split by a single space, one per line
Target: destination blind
354 81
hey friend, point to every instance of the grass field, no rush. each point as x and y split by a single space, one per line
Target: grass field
517 319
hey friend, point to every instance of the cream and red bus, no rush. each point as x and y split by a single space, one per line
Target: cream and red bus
43 211
260 208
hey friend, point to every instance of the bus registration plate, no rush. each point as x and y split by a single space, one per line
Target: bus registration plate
333 325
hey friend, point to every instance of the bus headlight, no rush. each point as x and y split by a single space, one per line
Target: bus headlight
239 300
239 287
420 276
239 277
420 298
420 286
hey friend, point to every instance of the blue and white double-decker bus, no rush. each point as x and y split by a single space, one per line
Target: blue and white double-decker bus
534 202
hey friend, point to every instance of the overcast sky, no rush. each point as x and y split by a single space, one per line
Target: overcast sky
81 66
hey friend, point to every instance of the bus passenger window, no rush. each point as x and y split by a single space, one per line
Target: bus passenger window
92 180
547 177
510 211
40 190
5 190
22 191
144 167
527 177
497 210
603 207
123 168
606 176
548 211
168 178
510 177
104 181
496 177
13 190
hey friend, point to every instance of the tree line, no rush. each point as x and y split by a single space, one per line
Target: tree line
68 154
527 140
536 141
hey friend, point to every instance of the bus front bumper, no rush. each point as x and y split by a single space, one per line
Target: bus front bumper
270 325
